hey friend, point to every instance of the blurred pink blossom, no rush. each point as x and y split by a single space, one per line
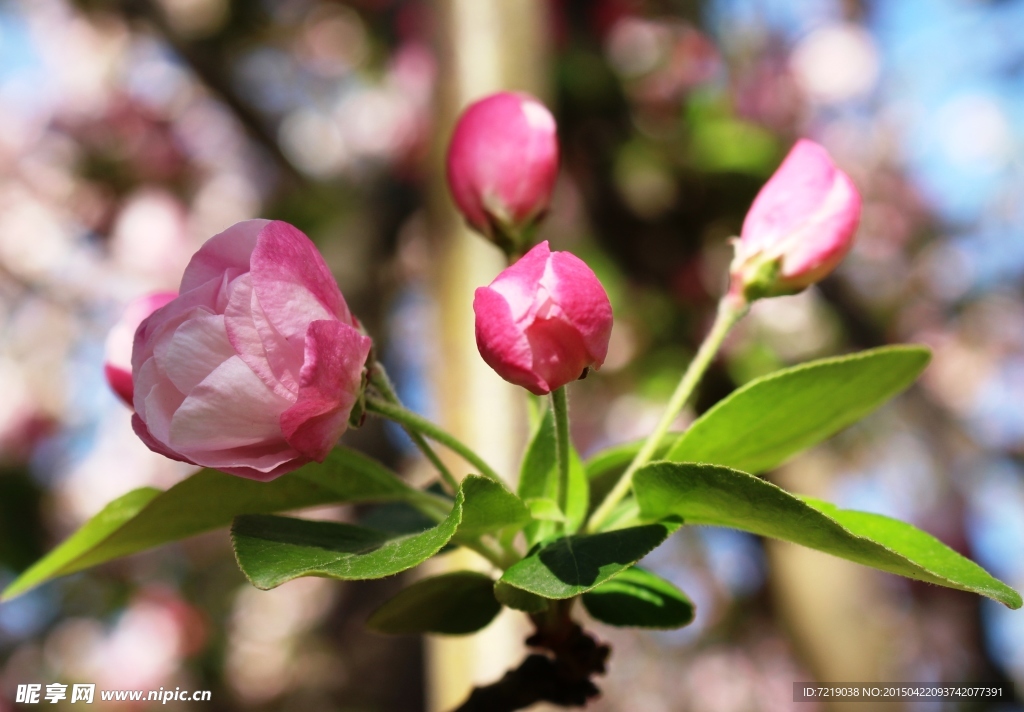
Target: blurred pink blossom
155 632
661 60
117 365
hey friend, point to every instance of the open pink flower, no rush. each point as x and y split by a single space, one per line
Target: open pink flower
800 226
255 368
503 162
117 366
543 321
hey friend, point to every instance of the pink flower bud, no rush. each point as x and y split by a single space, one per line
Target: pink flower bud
255 368
502 165
543 321
799 228
118 363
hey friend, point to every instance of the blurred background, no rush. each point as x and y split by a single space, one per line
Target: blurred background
132 130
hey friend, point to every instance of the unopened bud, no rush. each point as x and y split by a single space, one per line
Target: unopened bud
502 166
544 321
799 228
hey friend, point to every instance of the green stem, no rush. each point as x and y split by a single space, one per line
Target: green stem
437 508
730 310
423 426
379 379
435 460
560 408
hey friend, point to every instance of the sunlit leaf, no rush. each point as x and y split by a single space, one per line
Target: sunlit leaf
545 510
708 494
768 420
489 508
207 500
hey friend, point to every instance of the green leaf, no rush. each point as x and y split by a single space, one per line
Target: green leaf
639 599
708 494
396 518
766 421
538 479
575 564
89 538
209 499
546 510
519 599
489 508
452 604
274 550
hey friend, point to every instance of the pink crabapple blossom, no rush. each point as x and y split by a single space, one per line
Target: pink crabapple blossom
255 367
543 321
799 227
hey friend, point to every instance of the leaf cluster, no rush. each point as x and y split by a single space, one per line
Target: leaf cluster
541 550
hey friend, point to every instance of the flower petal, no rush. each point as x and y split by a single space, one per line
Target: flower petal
284 357
502 343
152 443
195 351
793 193
122 335
330 384
157 408
575 288
146 379
230 408
262 348
292 282
559 352
169 316
231 249
120 381
518 283
257 462
826 237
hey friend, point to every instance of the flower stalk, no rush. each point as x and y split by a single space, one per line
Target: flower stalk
731 309
407 418
560 408
379 379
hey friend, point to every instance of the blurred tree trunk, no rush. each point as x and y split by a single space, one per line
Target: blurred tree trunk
483 46
835 610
